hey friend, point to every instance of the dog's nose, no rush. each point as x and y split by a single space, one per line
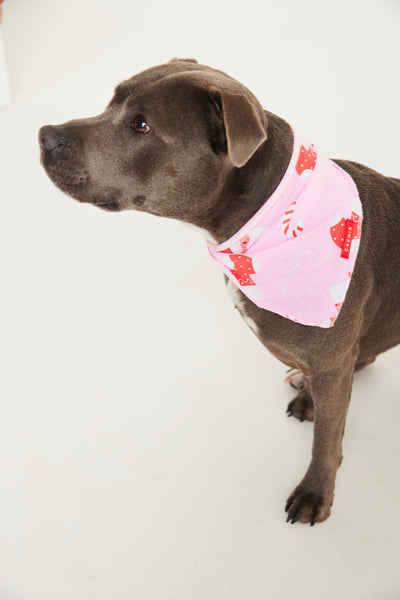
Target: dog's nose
49 137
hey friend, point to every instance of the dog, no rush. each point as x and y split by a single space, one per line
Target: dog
188 142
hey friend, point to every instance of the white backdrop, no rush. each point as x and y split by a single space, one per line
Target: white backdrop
144 448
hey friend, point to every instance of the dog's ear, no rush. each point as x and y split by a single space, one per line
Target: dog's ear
175 59
244 126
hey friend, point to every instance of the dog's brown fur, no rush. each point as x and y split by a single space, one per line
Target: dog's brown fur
211 158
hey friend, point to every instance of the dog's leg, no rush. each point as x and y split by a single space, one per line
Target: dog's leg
311 500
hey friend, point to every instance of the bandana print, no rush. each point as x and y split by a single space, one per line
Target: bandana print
296 255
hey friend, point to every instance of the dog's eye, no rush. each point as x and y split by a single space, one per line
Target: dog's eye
139 125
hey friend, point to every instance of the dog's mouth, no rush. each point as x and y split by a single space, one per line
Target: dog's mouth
111 205
65 173
63 165
73 179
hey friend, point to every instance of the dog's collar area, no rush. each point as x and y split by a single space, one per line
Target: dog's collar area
296 255
271 200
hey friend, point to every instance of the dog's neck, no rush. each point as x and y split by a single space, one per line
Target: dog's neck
248 188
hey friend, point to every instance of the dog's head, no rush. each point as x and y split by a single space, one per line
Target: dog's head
166 143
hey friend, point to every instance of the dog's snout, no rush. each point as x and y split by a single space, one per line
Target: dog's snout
49 137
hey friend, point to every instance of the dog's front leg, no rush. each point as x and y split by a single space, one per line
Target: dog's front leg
312 499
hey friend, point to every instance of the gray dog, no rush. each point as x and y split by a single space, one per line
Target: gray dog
188 142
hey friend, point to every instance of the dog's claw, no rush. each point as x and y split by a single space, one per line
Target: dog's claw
313 519
307 506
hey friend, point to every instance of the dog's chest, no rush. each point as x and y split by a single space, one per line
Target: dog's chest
295 257
237 299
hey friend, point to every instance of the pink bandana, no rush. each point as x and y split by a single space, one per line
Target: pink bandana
296 255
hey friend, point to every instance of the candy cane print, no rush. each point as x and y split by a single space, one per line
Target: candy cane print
286 222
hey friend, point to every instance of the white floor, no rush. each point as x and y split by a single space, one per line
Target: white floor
145 451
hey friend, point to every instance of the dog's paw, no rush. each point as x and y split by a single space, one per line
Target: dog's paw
301 407
308 506
295 378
